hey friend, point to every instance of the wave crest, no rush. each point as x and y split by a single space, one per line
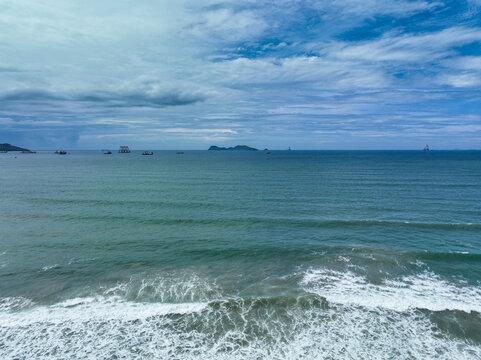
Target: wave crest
423 291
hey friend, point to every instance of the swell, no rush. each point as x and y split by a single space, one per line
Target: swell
114 203
240 220
449 256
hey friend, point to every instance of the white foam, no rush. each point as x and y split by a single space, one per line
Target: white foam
424 291
119 324
14 303
166 288
231 329
3 264
344 259
48 267
95 309
418 263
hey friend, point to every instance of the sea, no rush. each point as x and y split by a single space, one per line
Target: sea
241 255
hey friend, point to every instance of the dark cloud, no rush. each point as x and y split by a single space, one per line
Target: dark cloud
30 95
111 99
9 69
143 99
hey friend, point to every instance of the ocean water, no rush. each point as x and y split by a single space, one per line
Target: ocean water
240 255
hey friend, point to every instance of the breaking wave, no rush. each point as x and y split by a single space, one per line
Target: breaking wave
422 291
339 316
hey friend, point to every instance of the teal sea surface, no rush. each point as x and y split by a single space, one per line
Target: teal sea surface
241 255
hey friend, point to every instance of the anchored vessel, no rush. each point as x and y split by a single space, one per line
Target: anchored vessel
147 153
124 149
426 148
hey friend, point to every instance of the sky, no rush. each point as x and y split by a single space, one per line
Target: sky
185 74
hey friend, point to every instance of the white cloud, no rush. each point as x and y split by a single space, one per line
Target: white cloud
461 80
228 25
371 7
405 47
465 63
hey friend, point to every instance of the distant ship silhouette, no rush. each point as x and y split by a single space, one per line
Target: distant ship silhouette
426 148
124 149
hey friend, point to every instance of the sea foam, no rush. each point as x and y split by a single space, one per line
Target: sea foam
423 291
304 327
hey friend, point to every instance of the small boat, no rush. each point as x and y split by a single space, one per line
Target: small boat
179 152
268 152
108 153
147 153
28 152
61 152
426 148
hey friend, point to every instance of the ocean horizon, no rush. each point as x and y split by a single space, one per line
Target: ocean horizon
115 150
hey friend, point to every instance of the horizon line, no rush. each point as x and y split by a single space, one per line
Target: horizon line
259 150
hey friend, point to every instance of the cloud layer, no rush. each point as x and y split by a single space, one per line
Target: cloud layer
307 74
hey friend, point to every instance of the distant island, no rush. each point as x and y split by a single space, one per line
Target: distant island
235 148
8 147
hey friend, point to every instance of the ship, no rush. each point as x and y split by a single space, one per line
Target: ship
124 149
148 153
426 148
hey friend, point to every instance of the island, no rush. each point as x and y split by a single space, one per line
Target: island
235 148
8 147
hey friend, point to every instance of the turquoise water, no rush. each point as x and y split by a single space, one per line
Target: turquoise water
241 255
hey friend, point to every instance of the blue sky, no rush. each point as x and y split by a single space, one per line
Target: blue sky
371 74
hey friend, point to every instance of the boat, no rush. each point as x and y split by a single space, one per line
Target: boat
124 149
147 153
28 152
268 152
426 148
179 152
108 153
61 152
